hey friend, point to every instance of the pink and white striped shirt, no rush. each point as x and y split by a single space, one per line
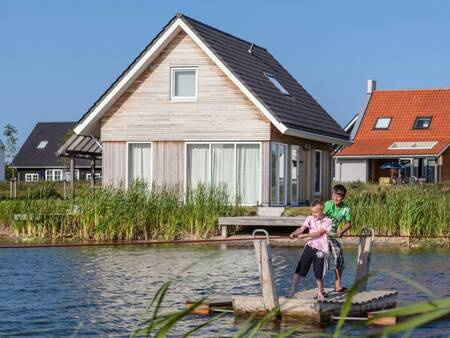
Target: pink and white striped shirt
315 224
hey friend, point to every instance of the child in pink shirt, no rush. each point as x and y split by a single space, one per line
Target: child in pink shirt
316 248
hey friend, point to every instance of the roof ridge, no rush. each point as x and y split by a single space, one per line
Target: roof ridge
413 90
181 15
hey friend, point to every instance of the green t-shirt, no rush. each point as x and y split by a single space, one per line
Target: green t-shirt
337 215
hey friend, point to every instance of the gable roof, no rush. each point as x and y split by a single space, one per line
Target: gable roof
403 107
298 114
54 133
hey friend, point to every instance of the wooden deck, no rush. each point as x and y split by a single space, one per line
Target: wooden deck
304 306
225 223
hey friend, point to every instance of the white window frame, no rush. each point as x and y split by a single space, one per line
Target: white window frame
127 158
97 176
53 171
286 168
29 177
318 193
77 175
235 143
172 85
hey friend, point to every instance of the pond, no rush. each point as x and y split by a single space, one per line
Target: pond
103 291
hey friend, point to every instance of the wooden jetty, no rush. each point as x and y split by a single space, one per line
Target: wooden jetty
225 223
304 305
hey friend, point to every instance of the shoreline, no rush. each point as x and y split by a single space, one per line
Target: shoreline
13 242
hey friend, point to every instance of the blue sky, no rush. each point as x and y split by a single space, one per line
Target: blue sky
57 57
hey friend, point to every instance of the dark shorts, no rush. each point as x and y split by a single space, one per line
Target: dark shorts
336 253
308 257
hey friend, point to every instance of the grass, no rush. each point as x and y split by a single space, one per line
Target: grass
117 214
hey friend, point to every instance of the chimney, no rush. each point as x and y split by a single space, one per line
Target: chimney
371 86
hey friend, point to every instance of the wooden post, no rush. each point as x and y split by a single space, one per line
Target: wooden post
363 258
72 176
93 173
264 259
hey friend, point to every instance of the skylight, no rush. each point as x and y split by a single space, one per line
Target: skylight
383 123
42 144
413 145
422 123
277 84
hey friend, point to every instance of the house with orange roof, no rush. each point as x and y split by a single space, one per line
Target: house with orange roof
408 127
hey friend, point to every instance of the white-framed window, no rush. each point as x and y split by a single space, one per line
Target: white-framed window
382 123
53 175
97 176
184 84
31 177
236 165
139 162
67 175
318 171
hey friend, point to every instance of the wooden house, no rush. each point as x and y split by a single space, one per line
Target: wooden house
199 105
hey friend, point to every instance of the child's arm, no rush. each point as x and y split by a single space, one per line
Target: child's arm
313 234
348 224
297 232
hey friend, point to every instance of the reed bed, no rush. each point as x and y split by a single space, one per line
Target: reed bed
118 214
404 210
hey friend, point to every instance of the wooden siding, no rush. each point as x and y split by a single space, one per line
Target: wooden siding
307 163
445 168
114 163
168 163
145 113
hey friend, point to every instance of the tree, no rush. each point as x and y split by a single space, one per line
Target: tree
10 133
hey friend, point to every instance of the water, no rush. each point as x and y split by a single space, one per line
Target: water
103 291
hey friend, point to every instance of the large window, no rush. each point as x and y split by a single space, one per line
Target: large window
383 123
235 166
278 174
183 84
317 172
139 163
295 174
53 175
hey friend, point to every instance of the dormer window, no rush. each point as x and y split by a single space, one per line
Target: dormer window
277 84
383 123
422 122
42 144
184 84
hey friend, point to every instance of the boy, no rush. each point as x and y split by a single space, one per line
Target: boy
316 249
339 212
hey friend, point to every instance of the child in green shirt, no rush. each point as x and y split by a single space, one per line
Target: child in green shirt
339 212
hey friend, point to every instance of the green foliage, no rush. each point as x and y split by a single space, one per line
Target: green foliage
117 214
403 210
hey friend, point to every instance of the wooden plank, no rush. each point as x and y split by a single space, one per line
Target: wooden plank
264 259
262 221
363 260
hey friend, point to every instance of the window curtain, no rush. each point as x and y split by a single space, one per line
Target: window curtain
248 172
223 166
197 165
184 83
139 162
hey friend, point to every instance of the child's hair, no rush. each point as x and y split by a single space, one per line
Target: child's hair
340 190
317 202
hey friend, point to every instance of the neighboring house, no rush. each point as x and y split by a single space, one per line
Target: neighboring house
411 127
199 105
2 161
37 159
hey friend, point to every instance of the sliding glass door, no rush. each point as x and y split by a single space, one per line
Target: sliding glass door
235 166
278 173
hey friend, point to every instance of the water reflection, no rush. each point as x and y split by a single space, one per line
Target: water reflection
104 290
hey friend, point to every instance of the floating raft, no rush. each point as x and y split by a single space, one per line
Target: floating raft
304 306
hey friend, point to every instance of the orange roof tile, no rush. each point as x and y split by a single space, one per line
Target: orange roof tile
403 106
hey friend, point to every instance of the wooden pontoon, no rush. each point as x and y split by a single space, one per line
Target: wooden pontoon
225 223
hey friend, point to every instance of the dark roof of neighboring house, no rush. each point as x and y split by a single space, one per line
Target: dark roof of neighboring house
299 110
55 133
403 107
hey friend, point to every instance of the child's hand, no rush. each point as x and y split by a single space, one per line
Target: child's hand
302 236
292 236
340 234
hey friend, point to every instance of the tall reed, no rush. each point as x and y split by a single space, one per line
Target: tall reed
139 212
